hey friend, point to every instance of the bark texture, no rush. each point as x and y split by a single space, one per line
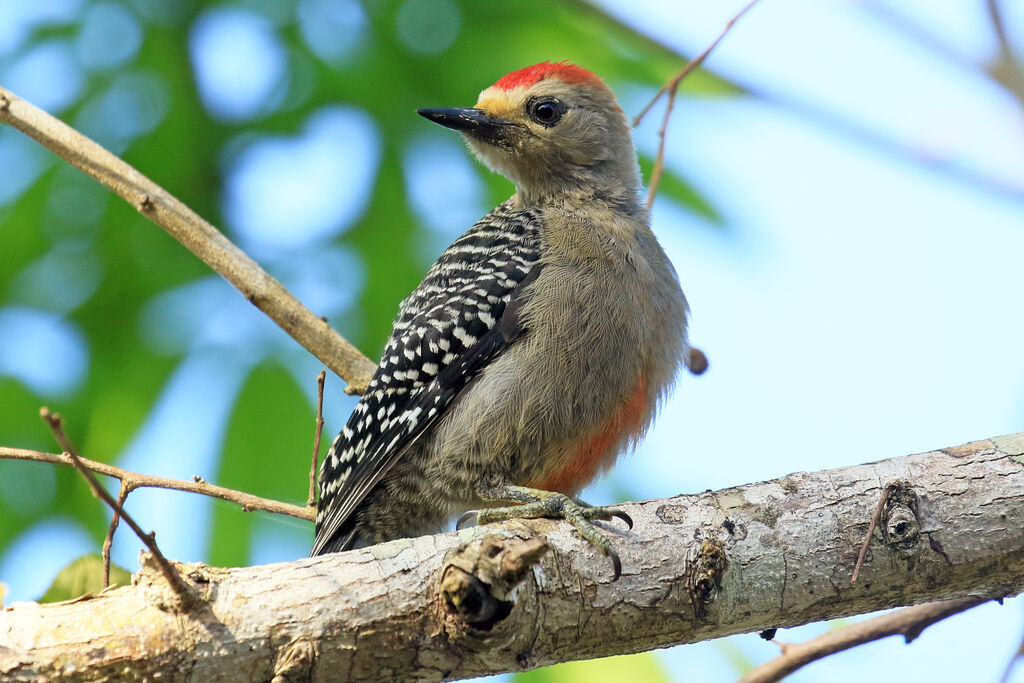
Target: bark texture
526 594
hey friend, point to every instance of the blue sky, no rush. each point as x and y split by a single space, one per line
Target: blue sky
863 300
861 304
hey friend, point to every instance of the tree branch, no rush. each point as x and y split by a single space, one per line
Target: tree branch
531 593
196 235
908 622
248 501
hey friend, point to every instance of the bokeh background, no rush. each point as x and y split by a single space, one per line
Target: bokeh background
844 202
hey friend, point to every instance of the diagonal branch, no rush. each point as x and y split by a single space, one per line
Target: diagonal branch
672 85
908 622
196 235
248 501
886 491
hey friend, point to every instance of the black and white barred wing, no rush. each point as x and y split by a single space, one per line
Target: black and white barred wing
447 330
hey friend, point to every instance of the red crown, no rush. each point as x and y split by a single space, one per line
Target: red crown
538 72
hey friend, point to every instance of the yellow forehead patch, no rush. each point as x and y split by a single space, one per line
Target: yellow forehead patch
499 103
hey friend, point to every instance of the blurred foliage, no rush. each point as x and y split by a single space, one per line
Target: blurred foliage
84 575
639 667
71 250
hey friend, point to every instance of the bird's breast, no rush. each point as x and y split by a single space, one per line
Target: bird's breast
569 469
604 335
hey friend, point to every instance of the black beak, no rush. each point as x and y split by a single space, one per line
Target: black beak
475 122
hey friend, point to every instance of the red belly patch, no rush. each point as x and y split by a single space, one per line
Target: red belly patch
579 466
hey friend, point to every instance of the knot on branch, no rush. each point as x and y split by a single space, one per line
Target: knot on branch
295 662
192 592
702 578
478 579
901 527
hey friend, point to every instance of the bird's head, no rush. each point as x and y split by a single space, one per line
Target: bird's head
551 129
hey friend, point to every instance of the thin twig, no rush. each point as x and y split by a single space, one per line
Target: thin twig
248 501
311 501
659 160
185 594
196 235
886 492
108 541
670 88
908 622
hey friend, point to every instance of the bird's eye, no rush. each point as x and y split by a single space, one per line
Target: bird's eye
546 112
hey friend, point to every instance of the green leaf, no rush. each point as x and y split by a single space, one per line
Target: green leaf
267 453
730 649
84 575
644 667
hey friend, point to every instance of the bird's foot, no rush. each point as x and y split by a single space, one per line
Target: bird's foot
534 503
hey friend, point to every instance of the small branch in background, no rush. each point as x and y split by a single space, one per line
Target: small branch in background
248 501
1013 662
995 15
670 88
908 622
1006 68
185 594
836 123
886 492
912 30
196 235
311 501
108 541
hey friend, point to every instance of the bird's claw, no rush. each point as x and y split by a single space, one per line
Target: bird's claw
536 503
616 564
624 517
606 514
466 519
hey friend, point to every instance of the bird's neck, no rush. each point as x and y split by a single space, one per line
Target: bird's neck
622 192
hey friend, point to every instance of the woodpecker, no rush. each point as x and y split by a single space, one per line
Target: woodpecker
535 350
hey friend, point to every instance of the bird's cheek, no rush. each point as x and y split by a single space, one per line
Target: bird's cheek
496 158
